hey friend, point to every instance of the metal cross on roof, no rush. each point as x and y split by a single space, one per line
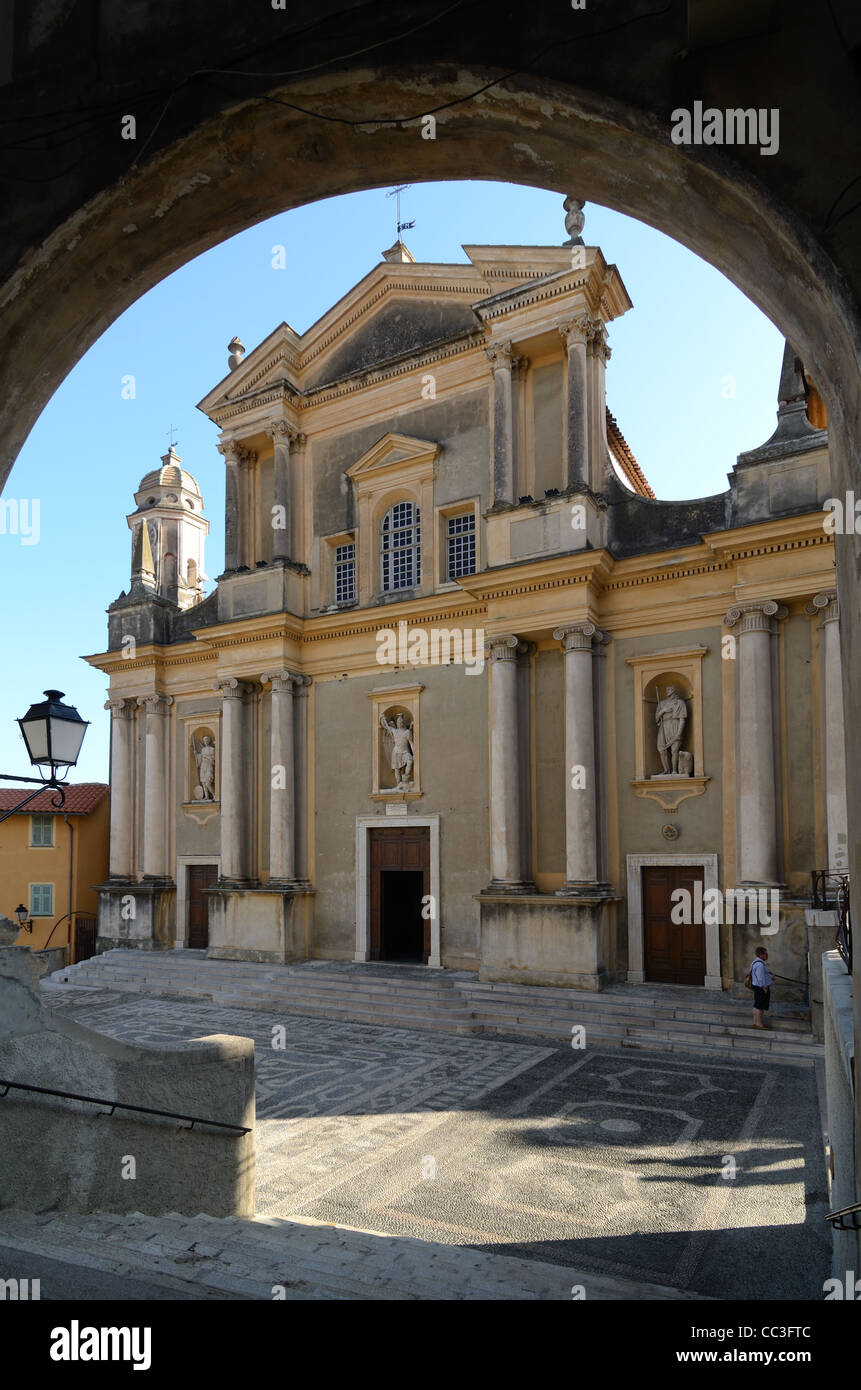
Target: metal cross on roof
396 193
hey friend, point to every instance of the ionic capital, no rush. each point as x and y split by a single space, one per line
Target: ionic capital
825 606
507 647
232 688
761 615
155 704
121 709
281 680
580 637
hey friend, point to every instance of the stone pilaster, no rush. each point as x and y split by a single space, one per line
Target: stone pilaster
755 625
235 797
282 779
232 505
122 788
826 606
508 850
597 356
504 436
574 335
579 642
284 439
301 685
156 797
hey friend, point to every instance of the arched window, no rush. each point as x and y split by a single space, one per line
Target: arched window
400 547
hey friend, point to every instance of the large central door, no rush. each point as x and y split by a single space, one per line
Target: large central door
400 880
675 953
200 877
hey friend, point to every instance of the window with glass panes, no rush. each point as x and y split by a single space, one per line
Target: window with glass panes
345 573
41 899
400 542
460 545
41 830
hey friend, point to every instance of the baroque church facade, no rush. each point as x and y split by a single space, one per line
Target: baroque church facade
466 692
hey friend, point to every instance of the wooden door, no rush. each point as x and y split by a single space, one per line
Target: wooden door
200 877
398 850
675 954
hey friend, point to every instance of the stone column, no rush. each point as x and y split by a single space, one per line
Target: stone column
504 444
755 624
283 438
282 780
574 335
507 806
581 790
598 449
833 741
235 801
122 775
156 795
301 686
233 556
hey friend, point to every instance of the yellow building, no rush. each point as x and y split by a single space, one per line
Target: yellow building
467 693
52 861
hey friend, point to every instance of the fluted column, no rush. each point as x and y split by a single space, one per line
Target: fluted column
282 781
122 775
301 686
826 605
156 799
581 789
755 625
504 440
507 792
574 336
235 827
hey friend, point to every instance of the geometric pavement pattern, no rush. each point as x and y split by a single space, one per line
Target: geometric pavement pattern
701 1175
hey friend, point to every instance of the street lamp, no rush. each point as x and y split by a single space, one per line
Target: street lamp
22 915
53 734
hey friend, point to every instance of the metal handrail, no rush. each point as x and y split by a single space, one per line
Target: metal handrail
120 1105
836 1218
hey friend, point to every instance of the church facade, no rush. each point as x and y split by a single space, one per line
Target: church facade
466 693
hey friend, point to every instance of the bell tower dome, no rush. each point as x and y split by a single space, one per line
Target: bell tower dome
168 534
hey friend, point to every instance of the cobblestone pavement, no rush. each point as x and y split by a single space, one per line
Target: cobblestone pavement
702 1176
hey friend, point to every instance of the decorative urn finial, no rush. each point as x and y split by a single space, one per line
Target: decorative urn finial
574 220
236 348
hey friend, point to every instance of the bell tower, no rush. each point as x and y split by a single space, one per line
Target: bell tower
168 534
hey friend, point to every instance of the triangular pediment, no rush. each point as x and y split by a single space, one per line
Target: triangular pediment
391 453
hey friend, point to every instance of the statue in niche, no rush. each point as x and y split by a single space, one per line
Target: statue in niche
401 750
204 756
671 717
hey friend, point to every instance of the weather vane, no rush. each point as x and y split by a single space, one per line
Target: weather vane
396 193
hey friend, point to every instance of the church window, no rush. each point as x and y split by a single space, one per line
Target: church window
345 573
400 547
460 545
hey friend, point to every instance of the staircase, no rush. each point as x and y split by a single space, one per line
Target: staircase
664 1018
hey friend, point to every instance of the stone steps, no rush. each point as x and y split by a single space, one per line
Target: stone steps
455 1001
246 1259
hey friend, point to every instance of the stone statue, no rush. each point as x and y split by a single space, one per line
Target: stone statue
204 756
671 717
402 750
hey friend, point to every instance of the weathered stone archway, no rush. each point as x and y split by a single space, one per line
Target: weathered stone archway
244 163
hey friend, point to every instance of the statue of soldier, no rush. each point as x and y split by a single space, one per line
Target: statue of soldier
671 717
402 749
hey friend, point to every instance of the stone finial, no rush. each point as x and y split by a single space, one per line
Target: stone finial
574 220
236 348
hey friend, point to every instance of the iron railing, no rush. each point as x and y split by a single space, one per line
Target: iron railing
119 1105
838 1219
831 891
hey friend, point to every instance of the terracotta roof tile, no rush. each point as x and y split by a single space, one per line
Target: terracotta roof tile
81 799
625 458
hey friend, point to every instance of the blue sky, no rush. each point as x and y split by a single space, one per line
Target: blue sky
692 382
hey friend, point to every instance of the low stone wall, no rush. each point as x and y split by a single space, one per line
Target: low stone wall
840 1105
546 940
65 1155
